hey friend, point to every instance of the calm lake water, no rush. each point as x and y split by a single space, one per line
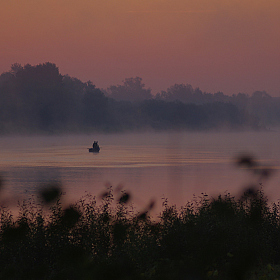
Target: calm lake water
148 165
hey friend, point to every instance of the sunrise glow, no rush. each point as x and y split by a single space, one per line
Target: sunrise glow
230 46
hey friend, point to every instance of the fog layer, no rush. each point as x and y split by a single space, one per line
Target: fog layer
39 99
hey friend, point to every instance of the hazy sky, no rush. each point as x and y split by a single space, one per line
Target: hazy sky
219 45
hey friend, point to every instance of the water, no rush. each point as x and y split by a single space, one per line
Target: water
148 165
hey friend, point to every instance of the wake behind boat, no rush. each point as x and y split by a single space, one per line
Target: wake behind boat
95 147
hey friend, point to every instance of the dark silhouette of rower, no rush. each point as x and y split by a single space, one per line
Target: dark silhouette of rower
95 144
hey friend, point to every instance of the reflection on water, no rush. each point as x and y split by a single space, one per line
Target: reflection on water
173 165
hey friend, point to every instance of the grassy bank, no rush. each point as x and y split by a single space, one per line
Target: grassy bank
221 238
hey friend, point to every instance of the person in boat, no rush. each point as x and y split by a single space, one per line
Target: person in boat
95 144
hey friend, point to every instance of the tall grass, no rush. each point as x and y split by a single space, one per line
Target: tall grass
209 238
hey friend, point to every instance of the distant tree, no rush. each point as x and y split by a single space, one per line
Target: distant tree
15 68
40 100
126 115
180 92
261 105
220 97
9 106
259 98
95 106
41 94
178 115
241 100
74 85
186 94
132 89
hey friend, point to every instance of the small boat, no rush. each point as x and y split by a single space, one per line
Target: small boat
95 147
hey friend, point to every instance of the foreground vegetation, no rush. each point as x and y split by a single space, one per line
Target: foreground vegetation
222 238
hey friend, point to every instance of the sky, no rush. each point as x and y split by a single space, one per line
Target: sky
217 45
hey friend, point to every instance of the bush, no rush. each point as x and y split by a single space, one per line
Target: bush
221 238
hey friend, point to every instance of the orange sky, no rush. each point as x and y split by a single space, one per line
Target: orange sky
218 45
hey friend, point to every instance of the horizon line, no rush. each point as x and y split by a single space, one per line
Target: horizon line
177 12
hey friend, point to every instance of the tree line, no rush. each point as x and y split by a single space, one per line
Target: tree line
40 99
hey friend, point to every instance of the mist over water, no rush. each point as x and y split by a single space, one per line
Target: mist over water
148 165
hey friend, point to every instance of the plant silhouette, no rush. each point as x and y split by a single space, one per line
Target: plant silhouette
209 238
